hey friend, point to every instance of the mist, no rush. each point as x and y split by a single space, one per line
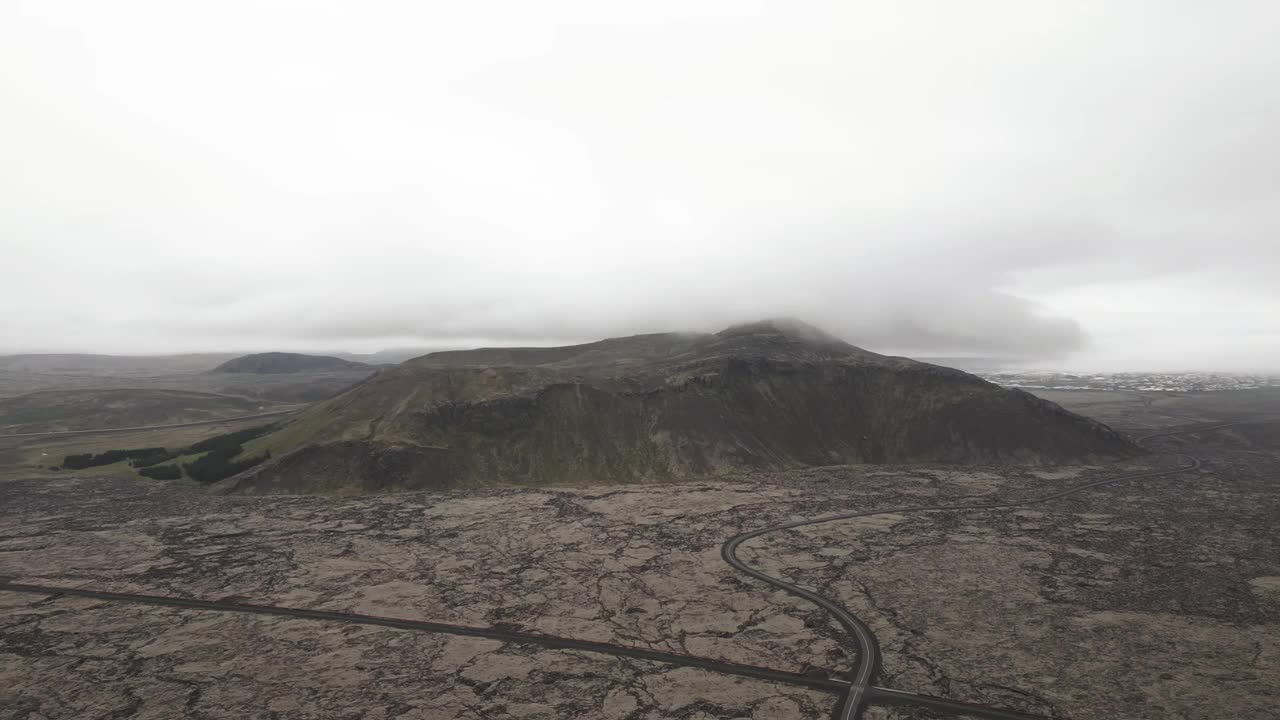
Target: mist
1068 184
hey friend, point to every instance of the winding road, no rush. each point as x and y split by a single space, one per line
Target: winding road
825 684
855 693
867 657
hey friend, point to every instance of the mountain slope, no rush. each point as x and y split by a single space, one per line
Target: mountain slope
282 362
770 395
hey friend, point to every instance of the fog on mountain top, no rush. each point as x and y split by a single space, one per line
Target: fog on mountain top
1088 184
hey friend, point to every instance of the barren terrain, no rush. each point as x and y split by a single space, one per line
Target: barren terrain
1150 599
62 410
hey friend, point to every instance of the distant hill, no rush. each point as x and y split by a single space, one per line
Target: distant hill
24 374
390 356
279 362
771 395
114 365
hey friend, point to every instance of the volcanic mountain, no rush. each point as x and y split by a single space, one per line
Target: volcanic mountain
282 362
770 395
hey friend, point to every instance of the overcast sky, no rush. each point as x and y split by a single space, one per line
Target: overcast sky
1083 184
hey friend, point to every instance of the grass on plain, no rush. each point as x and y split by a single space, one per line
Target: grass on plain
35 457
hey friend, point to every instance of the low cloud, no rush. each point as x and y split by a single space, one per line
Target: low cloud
927 183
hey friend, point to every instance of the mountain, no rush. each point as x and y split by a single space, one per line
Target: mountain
388 356
280 362
771 395
80 363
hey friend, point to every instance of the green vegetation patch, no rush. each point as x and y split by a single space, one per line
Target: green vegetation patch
229 440
161 472
219 459
218 464
141 457
209 460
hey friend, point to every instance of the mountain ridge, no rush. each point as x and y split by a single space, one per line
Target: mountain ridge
271 363
771 395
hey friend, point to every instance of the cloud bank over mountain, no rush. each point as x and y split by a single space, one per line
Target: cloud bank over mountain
1085 184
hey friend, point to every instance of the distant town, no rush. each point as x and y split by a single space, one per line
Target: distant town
1163 382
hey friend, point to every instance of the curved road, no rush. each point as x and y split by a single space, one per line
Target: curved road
839 687
867 657
855 693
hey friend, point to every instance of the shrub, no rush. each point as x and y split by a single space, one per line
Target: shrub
217 464
154 459
78 461
161 472
87 460
229 440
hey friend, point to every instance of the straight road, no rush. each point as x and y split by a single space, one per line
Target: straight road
839 687
515 636
855 693
145 428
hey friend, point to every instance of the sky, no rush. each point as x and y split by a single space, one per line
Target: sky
1089 185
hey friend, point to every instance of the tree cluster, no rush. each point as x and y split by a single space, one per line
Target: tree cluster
161 472
218 464
215 465
139 457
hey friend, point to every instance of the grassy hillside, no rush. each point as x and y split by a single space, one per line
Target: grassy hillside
659 406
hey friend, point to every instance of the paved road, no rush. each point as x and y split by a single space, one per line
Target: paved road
868 651
867 657
516 636
839 687
143 428
855 693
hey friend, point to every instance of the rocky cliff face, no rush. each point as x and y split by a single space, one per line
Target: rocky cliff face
766 396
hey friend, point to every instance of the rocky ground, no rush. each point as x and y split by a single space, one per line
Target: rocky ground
1152 599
